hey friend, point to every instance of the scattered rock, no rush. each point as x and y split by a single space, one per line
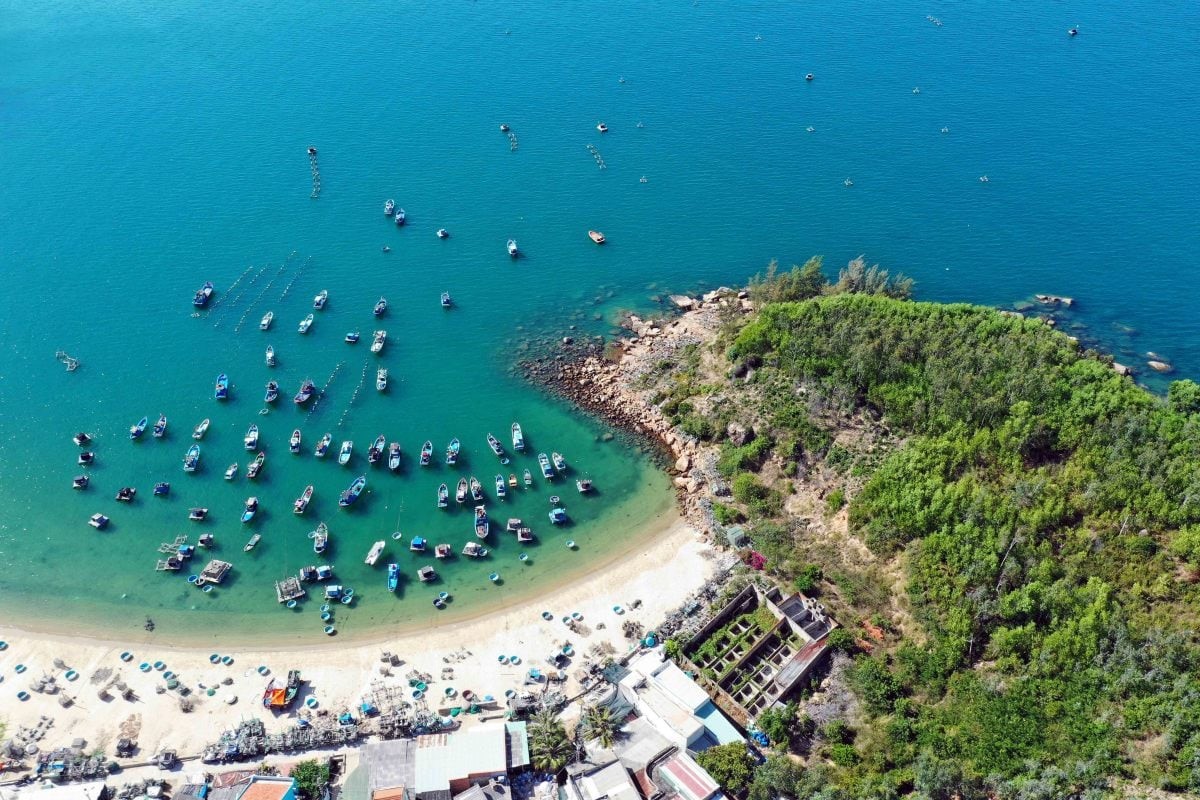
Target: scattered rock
1121 369
567 340
1159 366
1054 300
739 434
682 301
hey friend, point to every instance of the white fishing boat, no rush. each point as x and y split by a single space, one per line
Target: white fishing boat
378 341
321 299
381 378
201 429
305 324
264 324
251 439
389 207
231 471
345 452
518 437
270 356
512 247
374 554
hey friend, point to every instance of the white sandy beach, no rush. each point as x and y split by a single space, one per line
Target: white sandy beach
661 573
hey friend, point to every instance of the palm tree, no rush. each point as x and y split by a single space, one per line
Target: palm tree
549 747
600 724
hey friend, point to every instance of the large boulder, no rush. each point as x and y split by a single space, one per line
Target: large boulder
739 434
683 463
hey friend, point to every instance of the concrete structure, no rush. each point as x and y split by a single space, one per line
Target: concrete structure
671 701
610 782
689 780
92 790
443 765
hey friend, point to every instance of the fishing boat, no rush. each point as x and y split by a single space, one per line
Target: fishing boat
277 696
303 500
82 481
351 494
559 462
443 495
81 439
501 487
254 540
584 485
160 427
381 376
524 535
98 521
351 337
528 478
206 539
417 545
200 300
251 439
376 450
323 445
221 392
264 324
345 452
474 550
400 216
394 456
136 430
389 207
596 236
460 494
600 126
512 525
558 515
254 468
518 438
305 324
251 508
126 494
378 341
374 553
294 442
270 356
443 551
442 233
197 514
321 299
494 443
476 490
307 388
482 526
452 451
201 429
380 306
85 458
446 301
512 247
544 463
162 489
320 538
272 392
512 480
231 471
426 574
426 453
191 459
393 578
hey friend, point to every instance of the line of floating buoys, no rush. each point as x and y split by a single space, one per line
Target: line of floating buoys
233 301
295 277
261 295
221 297
361 382
325 388
596 155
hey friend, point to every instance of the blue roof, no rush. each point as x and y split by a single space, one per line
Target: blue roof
718 725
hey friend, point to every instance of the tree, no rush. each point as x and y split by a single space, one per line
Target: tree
600 724
778 776
729 765
549 747
778 724
311 778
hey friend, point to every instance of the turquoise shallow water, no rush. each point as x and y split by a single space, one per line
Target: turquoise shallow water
146 150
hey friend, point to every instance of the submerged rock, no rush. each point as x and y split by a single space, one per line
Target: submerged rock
1159 366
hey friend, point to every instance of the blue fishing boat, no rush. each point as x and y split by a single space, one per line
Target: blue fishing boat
417 545
380 306
323 445
160 427
482 526
544 463
345 452
393 579
376 450
518 438
350 495
558 516
501 489
201 298
162 489
136 431
307 388
443 496
251 439
222 390
452 451
192 458
250 509
272 392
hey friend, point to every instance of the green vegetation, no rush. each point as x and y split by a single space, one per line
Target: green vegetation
311 778
549 747
1043 514
600 724
729 764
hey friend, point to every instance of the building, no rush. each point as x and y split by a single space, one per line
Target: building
269 787
674 704
92 790
609 782
441 766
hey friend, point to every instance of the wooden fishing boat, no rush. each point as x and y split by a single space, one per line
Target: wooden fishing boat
320 538
474 550
518 438
374 553
321 299
379 338
192 459
528 478
394 456
255 467
380 306
482 526
269 357
294 442
443 496
305 324
544 463
376 450
303 500
197 514
351 494
254 540
138 428
250 440
323 445
501 487
559 462
596 236
126 494
160 427
512 480
584 485
452 451
494 443
426 453
345 452
307 388
272 392
201 429
221 392
461 494
264 324
476 489
201 298
381 379
231 471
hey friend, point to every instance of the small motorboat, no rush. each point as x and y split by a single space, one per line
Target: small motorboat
81 439
250 509
460 494
377 341
345 452
394 456
401 216
443 551
221 392
452 451
1072 31
494 443
443 494
512 480
321 299
206 539
323 445
381 378
544 463
808 77
303 500
162 489
294 442
393 578
197 514
518 437
426 574
191 459
264 324
417 545
307 389
559 462
324 572
254 540
352 337
446 301
596 236
558 516
442 233
250 441
501 486
380 306
202 296
201 429
376 450
504 128
320 539
600 126
512 248
305 324
126 494
389 207
98 521
512 526
269 357
374 553
528 478
255 467
584 485
352 493
272 392
160 427
82 481
474 550
482 526
231 471
524 535
136 430
476 490
426 453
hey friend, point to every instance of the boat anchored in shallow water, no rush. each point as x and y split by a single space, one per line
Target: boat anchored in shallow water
380 306
374 553
307 389
596 236
201 429
255 466
482 526
393 577
389 207
294 442
512 248
301 503
221 392
192 459
269 356
321 299
394 456
518 438
446 301
160 427
544 464
323 445
272 393
452 451
250 441
320 538
501 488
443 496
476 490
381 379
250 509
376 450
401 216
345 452
353 492
460 494
559 462
378 341
426 453
497 448
231 471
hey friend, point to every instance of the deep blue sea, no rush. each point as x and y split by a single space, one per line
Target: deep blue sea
146 148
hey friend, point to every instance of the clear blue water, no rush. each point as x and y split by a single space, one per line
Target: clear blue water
144 150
